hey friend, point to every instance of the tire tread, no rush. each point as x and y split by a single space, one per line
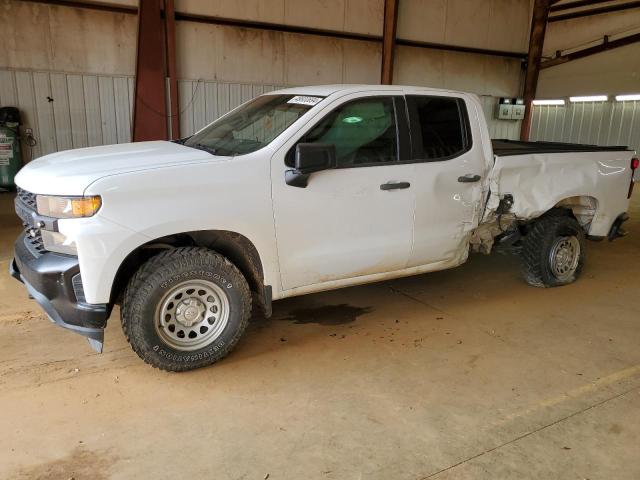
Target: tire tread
161 264
538 238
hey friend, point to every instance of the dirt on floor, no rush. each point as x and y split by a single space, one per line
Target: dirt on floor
462 374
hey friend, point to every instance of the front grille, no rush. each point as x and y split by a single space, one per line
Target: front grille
33 240
27 198
33 236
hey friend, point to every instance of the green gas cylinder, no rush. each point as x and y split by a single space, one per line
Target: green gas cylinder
10 159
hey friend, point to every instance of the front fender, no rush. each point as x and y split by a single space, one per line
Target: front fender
224 195
102 247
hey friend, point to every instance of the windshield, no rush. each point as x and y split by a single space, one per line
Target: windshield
253 125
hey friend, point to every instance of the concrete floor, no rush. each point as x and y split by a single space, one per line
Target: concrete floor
462 374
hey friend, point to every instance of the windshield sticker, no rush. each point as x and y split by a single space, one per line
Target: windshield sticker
305 100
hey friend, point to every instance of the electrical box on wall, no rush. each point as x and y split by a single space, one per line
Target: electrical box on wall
510 109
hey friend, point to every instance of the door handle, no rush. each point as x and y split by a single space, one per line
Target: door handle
394 185
469 178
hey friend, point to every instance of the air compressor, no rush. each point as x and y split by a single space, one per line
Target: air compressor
10 159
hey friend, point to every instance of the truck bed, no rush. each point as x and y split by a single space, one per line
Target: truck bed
506 148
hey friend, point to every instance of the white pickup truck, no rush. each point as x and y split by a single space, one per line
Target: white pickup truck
298 191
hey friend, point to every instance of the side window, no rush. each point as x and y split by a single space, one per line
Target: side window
363 131
439 126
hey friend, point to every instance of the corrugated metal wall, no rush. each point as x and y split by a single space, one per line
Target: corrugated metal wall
69 110
201 102
73 111
600 123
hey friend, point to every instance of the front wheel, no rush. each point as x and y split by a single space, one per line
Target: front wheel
185 308
553 251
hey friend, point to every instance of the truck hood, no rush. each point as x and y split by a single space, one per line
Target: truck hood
72 171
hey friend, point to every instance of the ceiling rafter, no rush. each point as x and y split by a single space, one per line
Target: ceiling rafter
589 12
587 52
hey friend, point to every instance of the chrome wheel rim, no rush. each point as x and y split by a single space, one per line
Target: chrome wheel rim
564 258
192 315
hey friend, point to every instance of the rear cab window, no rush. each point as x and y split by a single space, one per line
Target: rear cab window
440 127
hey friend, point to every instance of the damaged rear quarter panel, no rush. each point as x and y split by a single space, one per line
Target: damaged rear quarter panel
538 182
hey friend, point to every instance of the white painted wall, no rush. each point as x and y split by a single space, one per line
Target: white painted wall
62 39
492 24
480 74
230 54
357 16
224 53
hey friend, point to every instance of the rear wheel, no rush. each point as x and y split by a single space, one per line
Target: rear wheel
553 251
185 308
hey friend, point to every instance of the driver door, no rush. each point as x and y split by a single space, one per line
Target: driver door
356 219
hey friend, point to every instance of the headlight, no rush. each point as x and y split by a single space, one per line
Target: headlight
67 207
57 242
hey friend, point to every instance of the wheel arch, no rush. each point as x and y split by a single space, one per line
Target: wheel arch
234 246
582 207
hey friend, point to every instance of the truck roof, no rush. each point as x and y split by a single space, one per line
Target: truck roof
326 90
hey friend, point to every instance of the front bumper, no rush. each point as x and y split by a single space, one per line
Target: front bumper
49 279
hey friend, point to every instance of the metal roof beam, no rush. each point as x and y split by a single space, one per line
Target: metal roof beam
593 11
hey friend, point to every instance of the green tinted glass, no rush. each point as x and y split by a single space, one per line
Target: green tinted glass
363 132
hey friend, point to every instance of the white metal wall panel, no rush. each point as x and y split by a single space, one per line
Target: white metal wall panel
123 106
25 96
77 111
74 110
131 88
199 107
107 110
44 112
61 112
201 102
69 110
217 98
211 102
185 102
92 110
599 123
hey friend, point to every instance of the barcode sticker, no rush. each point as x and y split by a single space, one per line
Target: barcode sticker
305 100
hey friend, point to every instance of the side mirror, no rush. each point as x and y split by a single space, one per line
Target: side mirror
314 157
310 158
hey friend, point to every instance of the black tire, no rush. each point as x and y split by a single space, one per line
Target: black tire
538 247
150 285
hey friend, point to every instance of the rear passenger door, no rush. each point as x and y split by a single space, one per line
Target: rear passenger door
449 165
